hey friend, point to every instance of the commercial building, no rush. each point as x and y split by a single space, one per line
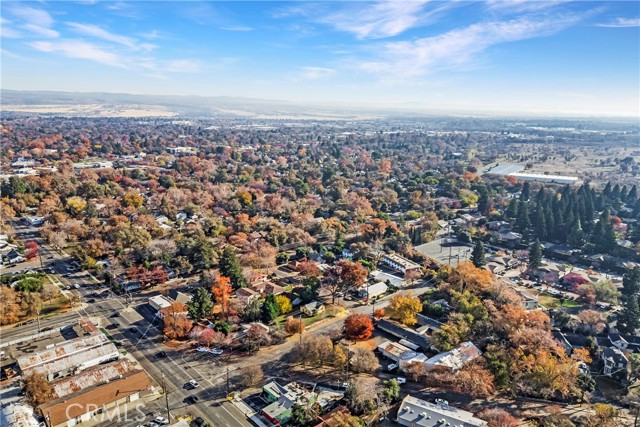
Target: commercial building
454 359
85 404
416 412
91 377
17 415
69 357
159 302
392 350
551 179
373 291
404 333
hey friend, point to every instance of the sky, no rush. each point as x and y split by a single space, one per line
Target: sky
503 56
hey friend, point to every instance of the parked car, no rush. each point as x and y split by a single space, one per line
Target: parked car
91 300
216 351
161 420
76 286
401 380
192 400
161 354
392 366
192 384
115 325
199 422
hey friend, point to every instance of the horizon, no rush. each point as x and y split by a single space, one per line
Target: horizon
542 58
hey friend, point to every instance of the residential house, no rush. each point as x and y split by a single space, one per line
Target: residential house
373 291
392 350
399 263
456 358
13 256
313 308
247 295
69 357
402 332
34 221
282 399
509 238
83 405
625 343
416 412
615 362
268 288
409 357
427 324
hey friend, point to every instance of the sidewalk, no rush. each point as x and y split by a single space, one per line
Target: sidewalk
248 412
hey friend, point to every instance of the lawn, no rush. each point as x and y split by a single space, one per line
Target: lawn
551 301
58 304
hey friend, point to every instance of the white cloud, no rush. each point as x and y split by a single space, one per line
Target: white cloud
371 20
313 73
515 6
81 50
578 95
458 47
36 21
6 31
100 33
236 28
622 23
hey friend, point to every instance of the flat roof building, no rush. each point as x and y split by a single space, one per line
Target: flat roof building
552 179
398 262
416 412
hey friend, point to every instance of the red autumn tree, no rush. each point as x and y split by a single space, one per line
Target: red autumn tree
31 250
378 313
358 327
293 326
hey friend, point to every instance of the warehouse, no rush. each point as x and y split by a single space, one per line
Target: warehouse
551 179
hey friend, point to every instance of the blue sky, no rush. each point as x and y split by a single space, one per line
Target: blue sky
570 57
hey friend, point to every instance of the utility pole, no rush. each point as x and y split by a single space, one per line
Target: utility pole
300 318
228 388
38 316
166 397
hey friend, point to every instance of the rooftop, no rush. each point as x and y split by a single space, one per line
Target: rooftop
420 413
93 376
456 358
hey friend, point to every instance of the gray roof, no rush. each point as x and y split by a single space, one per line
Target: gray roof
405 333
415 412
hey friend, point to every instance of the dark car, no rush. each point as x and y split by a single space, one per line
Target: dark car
91 300
161 354
116 314
133 330
115 325
199 422
192 400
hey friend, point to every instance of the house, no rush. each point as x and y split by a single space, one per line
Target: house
247 295
427 324
69 357
392 350
373 291
402 332
13 256
313 308
409 357
416 412
529 302
509 238
282 399
454 359
625 343
268 288
34 221
83 405
615 362
399 263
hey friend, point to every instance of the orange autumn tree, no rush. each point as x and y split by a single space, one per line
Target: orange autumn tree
467 277
176 323
358 327
221 291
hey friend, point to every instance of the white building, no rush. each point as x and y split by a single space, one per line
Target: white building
392 350
456 358
399 263
373 291
34 221
159 302
552 179
416 412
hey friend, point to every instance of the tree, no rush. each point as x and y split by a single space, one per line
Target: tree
251 311
535 255
176 323
230 267
342 419
344 275
31 303
31 250
526 191
415 371
9 308
604 415
631 282
221 291
255 338
252 376
475 380
293 326
269 310
363 360
200 305
358 327
38 391
496 417
362 395
629 317
211 338
284 304
477 256
391 390
586 384
378 313
404 307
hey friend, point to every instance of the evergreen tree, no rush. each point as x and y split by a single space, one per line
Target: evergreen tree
200 305
541 225
483 200
629 318
512 209
535 255
541 196
523 223
607 190
607 242
230 267
631 282
269 309
632 197
526 191
477 256
576 235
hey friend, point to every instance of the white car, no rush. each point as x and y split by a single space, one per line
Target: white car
392 366
203 349
216 351
161 420
401 380
193 384
76 286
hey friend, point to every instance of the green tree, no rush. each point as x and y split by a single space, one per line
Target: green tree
200 305
535 255
269 309
631 282
629 318
523 222
526 191
576 235
391 390
586 384
477 256
230 267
